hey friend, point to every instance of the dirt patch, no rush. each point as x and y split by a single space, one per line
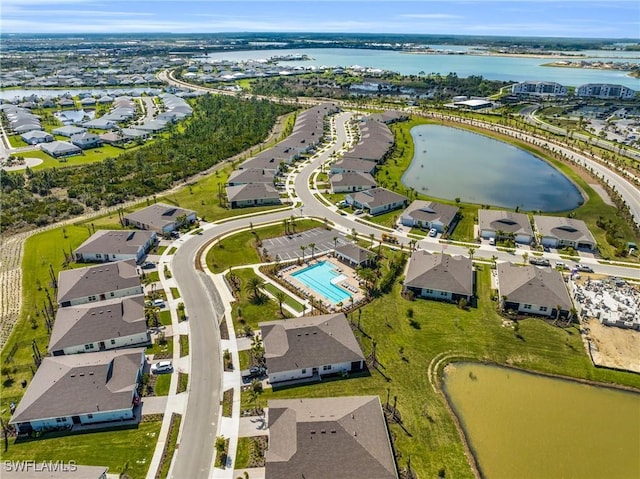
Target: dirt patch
614 347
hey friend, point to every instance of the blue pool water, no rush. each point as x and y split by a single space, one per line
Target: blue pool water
318 278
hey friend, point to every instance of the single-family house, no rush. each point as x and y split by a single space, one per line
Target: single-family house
81 389
97 283
250 176
310 347
152 126
160 217
59 149
254 194
532 290
439 276
116 245
86 140
351 182
68 130
429 214
318 438
346 165
500 224
354 255
376 200
101 123
561 232
110 324
88 101
34 137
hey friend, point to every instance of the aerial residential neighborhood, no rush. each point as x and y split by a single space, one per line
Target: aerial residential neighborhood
350 254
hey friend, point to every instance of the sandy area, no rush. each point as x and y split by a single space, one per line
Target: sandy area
616 347
30 162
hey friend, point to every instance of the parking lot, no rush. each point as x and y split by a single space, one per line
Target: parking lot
288 247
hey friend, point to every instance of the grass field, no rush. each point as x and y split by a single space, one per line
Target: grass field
242 453
239 249
287 300
88 156
252 312
163 383
113 448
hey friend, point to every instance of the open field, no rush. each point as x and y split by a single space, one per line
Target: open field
88 156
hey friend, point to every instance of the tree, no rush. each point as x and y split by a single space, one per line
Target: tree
371 238
335 242
312 247
280 297
471 252
525 256
253 286
303 248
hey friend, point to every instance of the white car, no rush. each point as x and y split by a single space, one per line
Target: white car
161 367
358 212
433 232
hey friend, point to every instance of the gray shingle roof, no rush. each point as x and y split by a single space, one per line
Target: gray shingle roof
60 148
81 384
309 342
253 191
352 178
532 285
251 175
354 164
429 211
158 215
377 197
440 272
354 252
81 282
319 438
507 221
563 228
93 322
115 242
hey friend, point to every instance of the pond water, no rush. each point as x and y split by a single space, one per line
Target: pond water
452 163
522 425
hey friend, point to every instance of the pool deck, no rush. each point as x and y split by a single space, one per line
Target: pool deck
350 283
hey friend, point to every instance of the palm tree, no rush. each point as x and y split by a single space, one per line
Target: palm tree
253 286
525 255
471 251
369 277
280 297
303 248
372 237
312 247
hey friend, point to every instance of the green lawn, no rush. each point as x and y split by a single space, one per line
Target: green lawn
172 250
288 299
124 450
164 350
240 248
88 156
165 317
243 453
440 329
184 345
183 382
152 277
170 446
161 249
163 383
16 141
252 312
245 359
175 293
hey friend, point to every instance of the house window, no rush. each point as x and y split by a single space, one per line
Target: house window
326 368
526 306
113 341
543 308
92 298
98 255
304 371
90 416
443 293
112 294
60 419
428 291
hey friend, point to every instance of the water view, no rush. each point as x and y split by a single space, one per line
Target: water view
452 163
491 67
320 278
521 425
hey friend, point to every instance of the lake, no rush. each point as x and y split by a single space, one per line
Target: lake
491 67
525 426
453 163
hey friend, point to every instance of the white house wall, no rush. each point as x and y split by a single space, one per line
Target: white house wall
113 343
108 295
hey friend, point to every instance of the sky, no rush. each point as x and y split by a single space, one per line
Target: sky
540 18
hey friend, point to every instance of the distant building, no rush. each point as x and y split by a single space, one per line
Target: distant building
429 214
561 232
160 217
376 200
351 182
59 149
116 245
86 140
439 276
605 91
34 137
502 224
539 88
476 104
68 130
319 438
353 255
81 389
256 194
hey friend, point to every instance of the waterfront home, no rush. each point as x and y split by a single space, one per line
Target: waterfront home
160 217
110 324
317 438
310 347
439 276
351 181
81 389
562 232
532 290
116 245
605 91
97 283
500 224
254 194
428 215
376 200
59 149
539 88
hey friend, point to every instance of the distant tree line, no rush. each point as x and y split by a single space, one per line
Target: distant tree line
221 126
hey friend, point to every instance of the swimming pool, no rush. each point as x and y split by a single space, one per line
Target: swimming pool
319 278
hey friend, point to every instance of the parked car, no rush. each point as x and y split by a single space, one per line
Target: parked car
161 367
584 268
252 373
158 303
433 232
148 265
560 265
358 212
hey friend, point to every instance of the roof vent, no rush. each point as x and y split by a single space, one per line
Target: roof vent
324 431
